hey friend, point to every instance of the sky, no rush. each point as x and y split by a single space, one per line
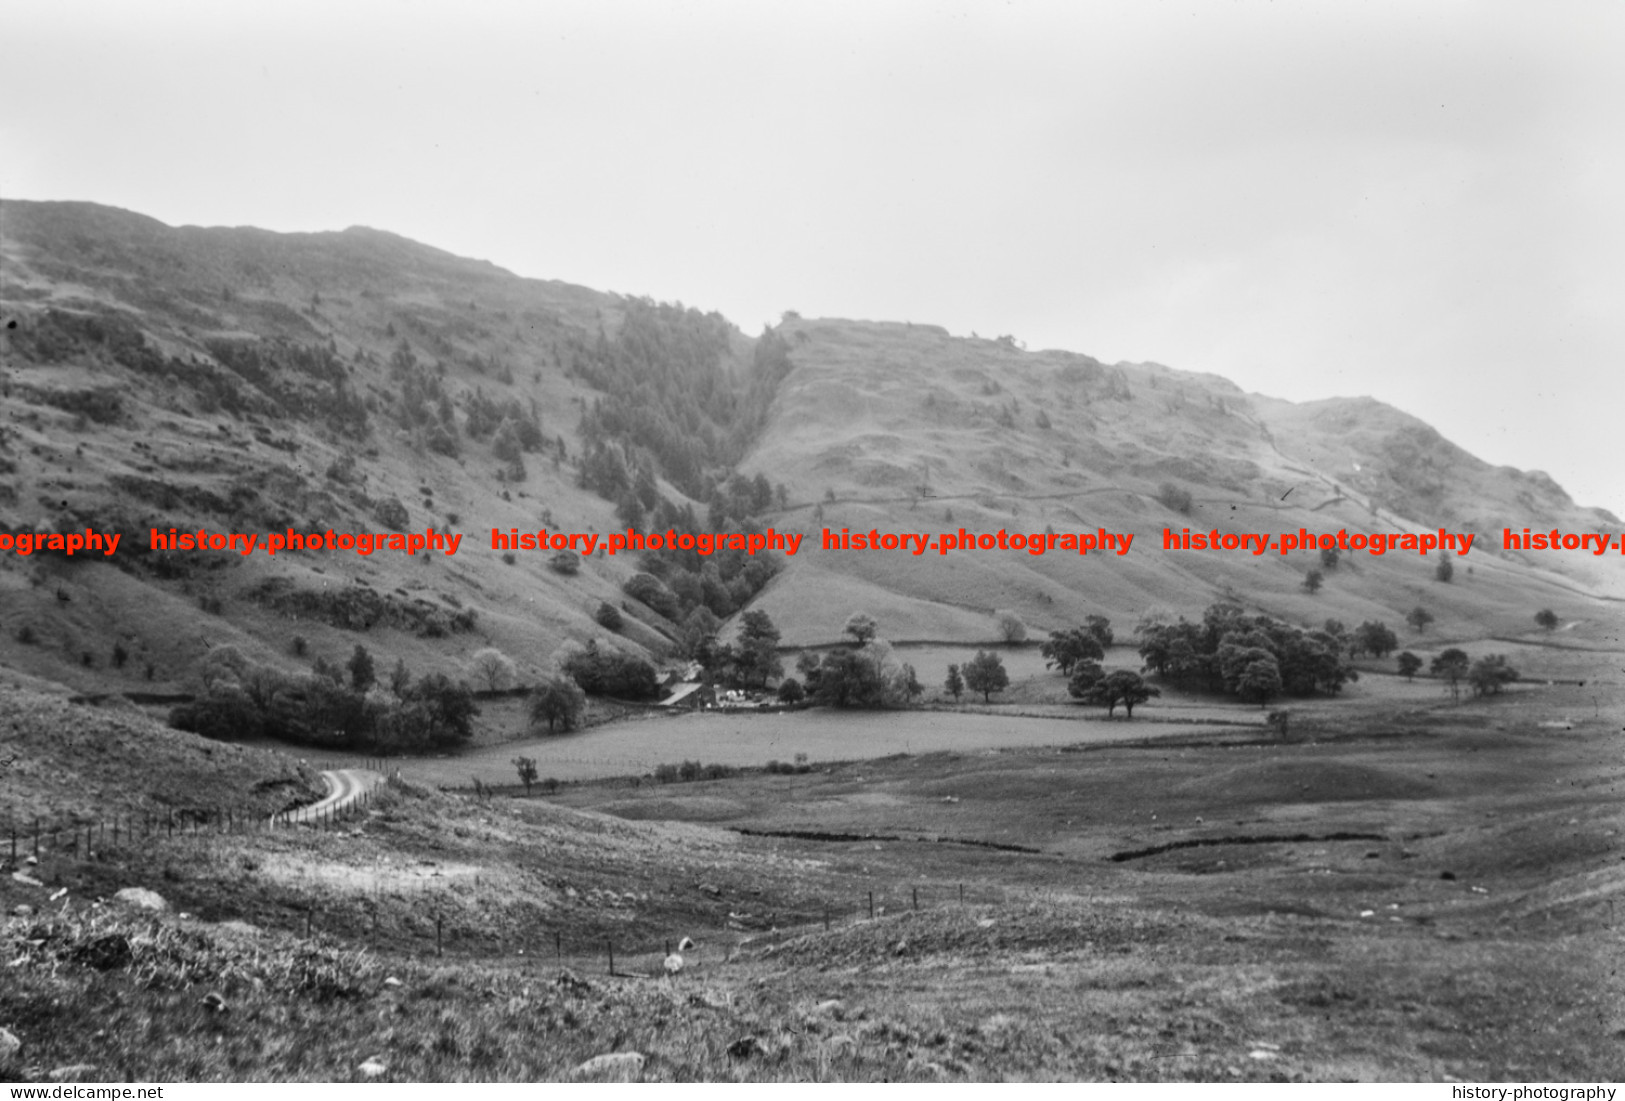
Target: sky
1415 201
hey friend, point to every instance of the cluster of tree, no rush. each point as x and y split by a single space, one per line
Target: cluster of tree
1374 638
867 674
680 582
1065 649
1488 675
750 662
1254 657
609 672
333 706
1092 684
301 380
668 390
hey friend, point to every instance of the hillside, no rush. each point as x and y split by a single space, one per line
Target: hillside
243 380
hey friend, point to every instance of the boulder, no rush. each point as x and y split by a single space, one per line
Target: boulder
617 1065
9 1046
372 1068
141 899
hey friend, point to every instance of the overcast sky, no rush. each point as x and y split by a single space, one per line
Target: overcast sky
1417 201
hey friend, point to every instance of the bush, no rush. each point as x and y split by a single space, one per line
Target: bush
567 563
608 616
558 702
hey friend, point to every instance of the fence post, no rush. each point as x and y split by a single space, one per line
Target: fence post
309 912
610 947
36 837
439 944
915 892
962 894
871 905
826 917
558 947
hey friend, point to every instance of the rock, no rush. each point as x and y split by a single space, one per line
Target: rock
834 1007
674 964
22 909
744 1047
711 889
75 1070
985 923
1447 875
373 1068
9 1046
26 880
1261 1055
31 860
392 981
214 1002
685 945
620 1064
141 899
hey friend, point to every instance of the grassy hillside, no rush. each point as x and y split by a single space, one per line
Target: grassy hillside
242 380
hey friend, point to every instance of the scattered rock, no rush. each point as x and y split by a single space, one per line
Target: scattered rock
141 899
674 964
621 1064
9 1046
685 945
75 1070
373 1068
744 1047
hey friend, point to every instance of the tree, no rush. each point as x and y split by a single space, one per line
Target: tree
1260 680
1328 557
400 680
1011 629
907 684
790 691
1409 663
955 684
757 656
1313 580
491 668
1451 666
362 674
1489 674
557 701
1101 628
1374 638
1419 618
1122 686
861 627
1085 675
608 616
985 674
1064 649
527 771
1546 618
565 562
1445 570
848 678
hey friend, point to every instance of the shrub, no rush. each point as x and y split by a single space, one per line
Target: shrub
608 617
567 563
26 635
1175 498
120 655
612 673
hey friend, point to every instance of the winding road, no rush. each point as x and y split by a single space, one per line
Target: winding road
344 787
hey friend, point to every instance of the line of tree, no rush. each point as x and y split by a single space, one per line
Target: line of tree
332 706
